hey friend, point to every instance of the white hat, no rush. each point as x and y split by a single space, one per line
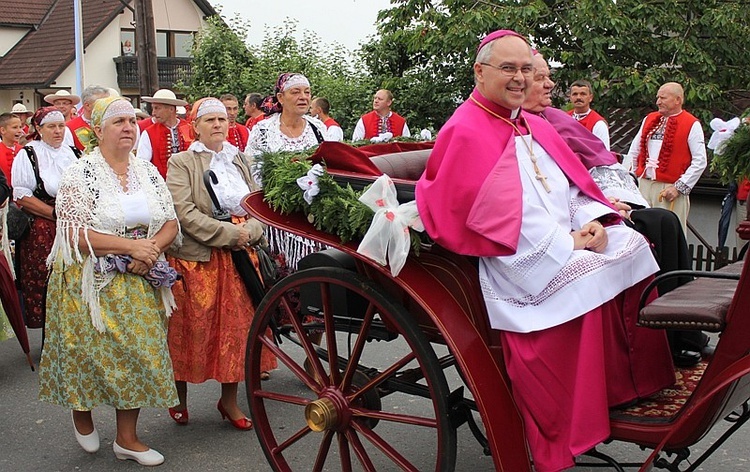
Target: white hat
62 95
165 96
20 108
181 110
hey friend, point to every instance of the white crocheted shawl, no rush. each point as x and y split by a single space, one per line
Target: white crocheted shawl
88 200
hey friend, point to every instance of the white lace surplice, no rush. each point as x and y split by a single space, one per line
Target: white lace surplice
547 283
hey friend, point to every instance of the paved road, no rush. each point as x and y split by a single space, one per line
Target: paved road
37 437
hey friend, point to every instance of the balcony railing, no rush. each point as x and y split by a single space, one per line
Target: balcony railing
171 70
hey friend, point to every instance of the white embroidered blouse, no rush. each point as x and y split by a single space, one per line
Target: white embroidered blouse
231 187
51 163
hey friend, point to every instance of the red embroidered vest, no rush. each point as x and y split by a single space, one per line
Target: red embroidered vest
674 157
74 125
145 123
589 120
237 136
372 124
331 122
161 143
6 158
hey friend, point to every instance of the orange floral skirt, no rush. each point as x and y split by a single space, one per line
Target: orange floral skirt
208 331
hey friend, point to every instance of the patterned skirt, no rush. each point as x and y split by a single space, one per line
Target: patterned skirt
32 269
208 331
126 367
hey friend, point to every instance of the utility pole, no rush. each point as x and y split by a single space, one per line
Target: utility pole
78 28
145 34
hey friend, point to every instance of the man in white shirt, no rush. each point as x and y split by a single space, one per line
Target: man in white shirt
668 155
320 108
381 120
581 96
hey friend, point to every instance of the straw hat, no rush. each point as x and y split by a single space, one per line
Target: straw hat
62 95
166 97
20 108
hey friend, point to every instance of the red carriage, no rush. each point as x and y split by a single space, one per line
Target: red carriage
369 352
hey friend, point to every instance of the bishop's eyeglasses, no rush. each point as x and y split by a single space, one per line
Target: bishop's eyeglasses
509 70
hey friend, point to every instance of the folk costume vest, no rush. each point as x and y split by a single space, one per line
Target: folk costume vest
331 122
394 124
237 136
589 120
162 146
6 157
78 128
675 156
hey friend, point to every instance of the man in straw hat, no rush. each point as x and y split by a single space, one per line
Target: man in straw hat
23 114
64 101
168 135
568 356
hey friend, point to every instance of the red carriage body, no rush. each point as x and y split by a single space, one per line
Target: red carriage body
436 300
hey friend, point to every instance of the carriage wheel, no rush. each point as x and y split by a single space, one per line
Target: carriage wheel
376 397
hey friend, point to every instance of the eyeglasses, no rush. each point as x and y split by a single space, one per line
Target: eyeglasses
511 70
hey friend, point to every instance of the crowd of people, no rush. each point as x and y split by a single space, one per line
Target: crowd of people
119 207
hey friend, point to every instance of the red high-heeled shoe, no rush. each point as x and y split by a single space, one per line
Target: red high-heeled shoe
180 417
243 424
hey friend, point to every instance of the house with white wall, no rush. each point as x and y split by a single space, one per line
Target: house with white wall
37 46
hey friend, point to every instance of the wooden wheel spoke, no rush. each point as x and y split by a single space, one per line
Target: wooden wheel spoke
330 331
381 377
281 397
346 457
384 447
325 446
290 363
291 440
359 346
308 348
394 417
360 451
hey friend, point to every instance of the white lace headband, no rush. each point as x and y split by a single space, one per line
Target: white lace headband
118 108
210 105
52 117
294 81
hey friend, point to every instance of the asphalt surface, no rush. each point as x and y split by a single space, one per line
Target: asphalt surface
36 436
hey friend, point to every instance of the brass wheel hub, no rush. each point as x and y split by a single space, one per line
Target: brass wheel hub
321 415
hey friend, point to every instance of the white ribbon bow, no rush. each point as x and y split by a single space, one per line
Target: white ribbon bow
723 130
309 183
382 137
425 134
389 231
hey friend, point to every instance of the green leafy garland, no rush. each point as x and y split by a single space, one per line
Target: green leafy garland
336 209
733 164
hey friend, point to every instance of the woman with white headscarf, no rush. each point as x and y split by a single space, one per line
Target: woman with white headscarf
35 187
106 333
208 331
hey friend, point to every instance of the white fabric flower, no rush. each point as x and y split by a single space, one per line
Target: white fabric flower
723 130
382 137
309 183
425 134
389 231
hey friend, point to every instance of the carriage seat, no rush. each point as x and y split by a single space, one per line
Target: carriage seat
407 165
700 304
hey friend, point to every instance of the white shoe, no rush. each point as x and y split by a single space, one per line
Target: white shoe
89 442
147 457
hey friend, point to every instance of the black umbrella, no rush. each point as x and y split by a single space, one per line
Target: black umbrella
12 307
727 207
241 259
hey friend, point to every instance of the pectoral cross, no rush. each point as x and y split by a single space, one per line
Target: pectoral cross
542 178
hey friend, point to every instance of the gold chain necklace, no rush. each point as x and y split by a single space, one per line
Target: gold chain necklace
529 145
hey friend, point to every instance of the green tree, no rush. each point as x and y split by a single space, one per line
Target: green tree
626 48
222 63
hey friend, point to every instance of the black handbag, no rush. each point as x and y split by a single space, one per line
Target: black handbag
269 271
19 222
